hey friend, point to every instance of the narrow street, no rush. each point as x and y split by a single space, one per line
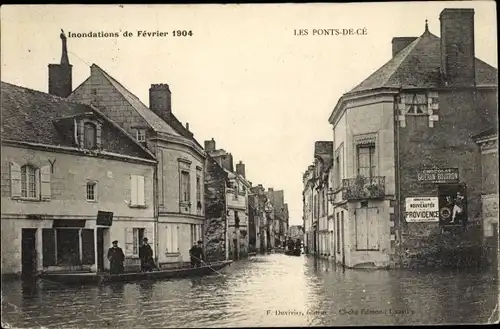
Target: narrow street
270 290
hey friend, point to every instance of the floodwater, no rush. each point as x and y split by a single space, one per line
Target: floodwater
268 290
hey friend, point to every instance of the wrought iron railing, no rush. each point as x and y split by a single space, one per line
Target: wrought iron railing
361 187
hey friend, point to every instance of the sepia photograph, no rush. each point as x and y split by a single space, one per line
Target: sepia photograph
249 165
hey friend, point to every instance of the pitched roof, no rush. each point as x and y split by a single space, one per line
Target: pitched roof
156 122
31 116
491 132
418 66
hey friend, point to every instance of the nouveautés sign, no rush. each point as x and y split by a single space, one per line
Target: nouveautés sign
446 175
422 209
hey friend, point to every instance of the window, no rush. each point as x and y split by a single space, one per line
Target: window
236 190
29 182
366 160
138 234
137 191
171 238
337 171
416 104
236 219
193 234
91 191
185 188
89 135
140 135
198 190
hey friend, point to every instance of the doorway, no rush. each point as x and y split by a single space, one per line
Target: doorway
100 249
28 252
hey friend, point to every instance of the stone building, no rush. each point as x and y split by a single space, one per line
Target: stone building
215 229
179 186
237 190
259 228
488 144
295 232
309 219
323 154
404 159
72 182
279 226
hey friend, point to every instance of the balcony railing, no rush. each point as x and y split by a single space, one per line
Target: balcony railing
361 188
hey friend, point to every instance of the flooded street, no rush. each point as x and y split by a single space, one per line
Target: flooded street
271 290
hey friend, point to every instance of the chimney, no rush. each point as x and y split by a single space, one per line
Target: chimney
187 126
210 145
60 75
457 47
227 162
400 43
240 169
160 100
270 189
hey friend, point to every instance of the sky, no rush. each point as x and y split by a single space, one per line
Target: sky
243 77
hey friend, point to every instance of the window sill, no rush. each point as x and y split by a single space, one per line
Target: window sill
29 199
185 203
92 201
138 206
172 254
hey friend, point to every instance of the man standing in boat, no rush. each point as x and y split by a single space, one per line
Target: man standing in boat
146 256
116 258
196 254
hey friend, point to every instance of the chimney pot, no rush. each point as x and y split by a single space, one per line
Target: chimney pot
457 47
187 126
400 43
160 100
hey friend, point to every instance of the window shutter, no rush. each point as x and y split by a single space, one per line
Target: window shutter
15 180
176 239
133 190
98 135
140 190
45 177
80 134
129 241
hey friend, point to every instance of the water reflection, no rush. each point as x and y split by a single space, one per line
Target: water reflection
273 290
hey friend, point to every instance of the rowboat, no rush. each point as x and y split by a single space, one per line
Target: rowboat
83 278
294 252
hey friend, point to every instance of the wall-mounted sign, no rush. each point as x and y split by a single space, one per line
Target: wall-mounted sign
422 209
445 175
104 218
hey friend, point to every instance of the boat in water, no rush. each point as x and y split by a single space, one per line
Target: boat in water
293 252
82 278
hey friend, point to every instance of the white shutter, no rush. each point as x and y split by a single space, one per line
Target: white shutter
133 190
140 191
129 241
45 176
15 180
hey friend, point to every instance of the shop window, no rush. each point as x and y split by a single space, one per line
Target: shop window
68 246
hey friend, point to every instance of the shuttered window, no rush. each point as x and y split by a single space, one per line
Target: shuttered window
171 236
137 197
89 135
185 186
367 237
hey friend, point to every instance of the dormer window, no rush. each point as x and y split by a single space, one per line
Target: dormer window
90 135
416 104
140 135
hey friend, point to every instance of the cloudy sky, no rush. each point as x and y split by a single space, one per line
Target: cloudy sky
243 77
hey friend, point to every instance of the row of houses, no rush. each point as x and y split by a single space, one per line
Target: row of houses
83 167
410 175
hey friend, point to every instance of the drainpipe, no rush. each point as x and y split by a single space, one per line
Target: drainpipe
398 184
226 243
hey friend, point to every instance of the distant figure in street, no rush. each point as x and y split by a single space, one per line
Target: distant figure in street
196 254
298 244
290 244
116 259
146 256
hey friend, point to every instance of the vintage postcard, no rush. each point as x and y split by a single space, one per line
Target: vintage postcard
249 165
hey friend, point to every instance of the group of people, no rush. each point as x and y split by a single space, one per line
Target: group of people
293 245
116 257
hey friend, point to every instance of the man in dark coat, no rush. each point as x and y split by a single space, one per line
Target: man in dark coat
116 258
196 254
146 256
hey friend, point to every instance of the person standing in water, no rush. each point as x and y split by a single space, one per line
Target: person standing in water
116 258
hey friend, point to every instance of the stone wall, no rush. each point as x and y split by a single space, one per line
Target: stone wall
215 226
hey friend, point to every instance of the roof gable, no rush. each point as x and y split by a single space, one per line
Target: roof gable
418 66
37 117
